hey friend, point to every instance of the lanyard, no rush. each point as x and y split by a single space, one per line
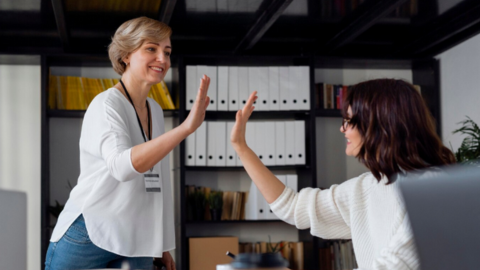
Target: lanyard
140 123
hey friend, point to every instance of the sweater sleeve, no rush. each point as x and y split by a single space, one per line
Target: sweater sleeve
326 212
115 142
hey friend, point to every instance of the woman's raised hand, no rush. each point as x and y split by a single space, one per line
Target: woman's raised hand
237 138
197 113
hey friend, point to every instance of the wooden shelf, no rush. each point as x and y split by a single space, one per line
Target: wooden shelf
81 113
264 115
328 113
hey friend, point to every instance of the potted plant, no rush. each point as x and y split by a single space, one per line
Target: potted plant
469 150
215 201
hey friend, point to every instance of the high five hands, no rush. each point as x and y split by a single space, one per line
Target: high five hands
197 113
237 138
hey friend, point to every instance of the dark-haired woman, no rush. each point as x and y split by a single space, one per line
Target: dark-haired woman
389 129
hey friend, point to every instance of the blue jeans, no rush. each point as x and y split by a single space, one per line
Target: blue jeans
75 250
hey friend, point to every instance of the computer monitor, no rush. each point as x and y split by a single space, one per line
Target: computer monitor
13 230
444 212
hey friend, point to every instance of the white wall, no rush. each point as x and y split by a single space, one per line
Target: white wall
460 88
20 134
333 166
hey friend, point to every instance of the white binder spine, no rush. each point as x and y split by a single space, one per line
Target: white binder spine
263 102
190 150
284 89
211 144
192 85
294 89
280 143
269 159
274 88
222 89
201 145
290 143
300 142
221 141
231 155
211 72
304 88
243 86
233 91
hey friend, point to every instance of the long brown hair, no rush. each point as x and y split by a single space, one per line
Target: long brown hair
396 126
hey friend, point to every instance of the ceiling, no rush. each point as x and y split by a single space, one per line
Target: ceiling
405 29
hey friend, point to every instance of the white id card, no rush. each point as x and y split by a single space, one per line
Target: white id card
153 181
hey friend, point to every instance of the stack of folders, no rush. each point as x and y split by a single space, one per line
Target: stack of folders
257 208
279 88
276 143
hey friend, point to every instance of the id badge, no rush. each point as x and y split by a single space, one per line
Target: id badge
153 181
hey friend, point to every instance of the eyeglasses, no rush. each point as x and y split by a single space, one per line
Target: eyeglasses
346 123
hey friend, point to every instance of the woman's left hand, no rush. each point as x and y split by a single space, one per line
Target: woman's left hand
168 261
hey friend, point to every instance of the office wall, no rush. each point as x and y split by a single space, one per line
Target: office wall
333 166
20 129
460 88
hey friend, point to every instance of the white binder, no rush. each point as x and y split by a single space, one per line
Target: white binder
284 89
222 6
269 141
280 144
262 206
233 89
190 150
222 89
253 85
212 89
192 85
221 141
263 101
231 155
290 143
304 88
300 142
259 139
251 203
201 145
211 144
250 136
294 87
292 182
243 86
274 88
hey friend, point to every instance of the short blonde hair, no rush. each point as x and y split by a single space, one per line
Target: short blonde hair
131 35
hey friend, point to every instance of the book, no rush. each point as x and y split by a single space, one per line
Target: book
296 256
170 104
52 92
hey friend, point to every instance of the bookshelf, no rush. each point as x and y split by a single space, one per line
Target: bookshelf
221 177
312 174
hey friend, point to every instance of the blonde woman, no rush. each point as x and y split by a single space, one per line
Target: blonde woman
121 208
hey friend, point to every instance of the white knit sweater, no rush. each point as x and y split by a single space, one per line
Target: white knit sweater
362 209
